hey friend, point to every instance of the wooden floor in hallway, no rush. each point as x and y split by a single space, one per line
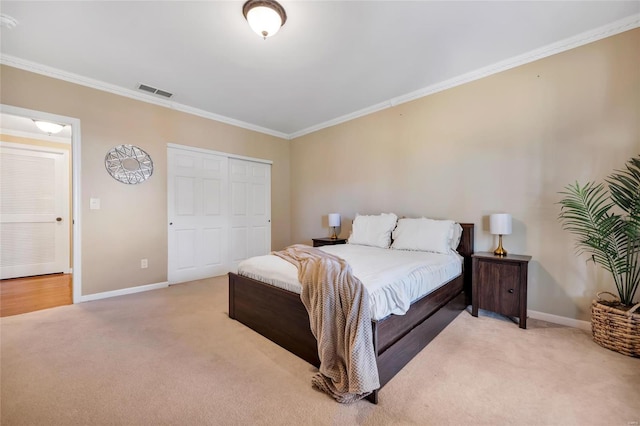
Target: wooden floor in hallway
22 295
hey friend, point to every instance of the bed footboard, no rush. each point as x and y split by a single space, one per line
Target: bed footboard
277 314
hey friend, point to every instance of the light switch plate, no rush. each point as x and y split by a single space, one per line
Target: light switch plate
94 203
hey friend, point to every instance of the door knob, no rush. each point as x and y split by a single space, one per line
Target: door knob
58 219
510 290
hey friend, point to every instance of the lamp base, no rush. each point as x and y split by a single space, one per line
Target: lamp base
334 236
500 251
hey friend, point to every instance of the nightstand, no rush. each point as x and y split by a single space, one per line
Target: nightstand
499 285
318 242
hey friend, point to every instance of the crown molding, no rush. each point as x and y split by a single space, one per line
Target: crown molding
581 39
34 67
617 27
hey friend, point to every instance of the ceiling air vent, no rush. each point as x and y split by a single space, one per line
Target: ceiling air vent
155 91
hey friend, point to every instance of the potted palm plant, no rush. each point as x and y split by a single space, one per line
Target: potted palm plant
606 221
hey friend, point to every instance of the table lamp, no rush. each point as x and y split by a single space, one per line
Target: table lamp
334 222
500 224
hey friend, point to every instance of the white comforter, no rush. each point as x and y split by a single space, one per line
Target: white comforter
393 278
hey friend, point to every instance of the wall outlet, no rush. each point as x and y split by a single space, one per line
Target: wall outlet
144 263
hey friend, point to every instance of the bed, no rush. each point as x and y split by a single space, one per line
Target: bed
279 315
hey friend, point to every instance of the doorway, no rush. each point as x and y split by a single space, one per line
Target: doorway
34 207
39 215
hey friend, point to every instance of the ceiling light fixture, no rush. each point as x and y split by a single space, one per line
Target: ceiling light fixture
265 17
49 127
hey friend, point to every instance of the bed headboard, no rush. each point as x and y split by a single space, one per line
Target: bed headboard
465 248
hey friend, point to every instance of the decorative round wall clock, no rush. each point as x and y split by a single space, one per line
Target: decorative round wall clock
128 164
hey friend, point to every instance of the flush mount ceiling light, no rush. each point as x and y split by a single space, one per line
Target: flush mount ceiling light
49 127
265 17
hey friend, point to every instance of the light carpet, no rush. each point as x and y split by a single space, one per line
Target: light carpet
173 357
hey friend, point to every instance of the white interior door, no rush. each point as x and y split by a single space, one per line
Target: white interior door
198 215
250 199
34 210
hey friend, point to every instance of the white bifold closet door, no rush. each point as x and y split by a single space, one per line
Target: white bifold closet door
219 212
250 201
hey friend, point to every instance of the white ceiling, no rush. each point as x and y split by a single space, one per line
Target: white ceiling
331 61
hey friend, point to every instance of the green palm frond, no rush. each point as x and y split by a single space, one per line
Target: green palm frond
612 240
624 187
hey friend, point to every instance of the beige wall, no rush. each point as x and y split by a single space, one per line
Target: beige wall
508 142
132 222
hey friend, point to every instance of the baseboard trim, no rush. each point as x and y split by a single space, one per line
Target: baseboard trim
122 292
556 319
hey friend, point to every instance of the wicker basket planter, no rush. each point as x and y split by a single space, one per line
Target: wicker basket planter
616 328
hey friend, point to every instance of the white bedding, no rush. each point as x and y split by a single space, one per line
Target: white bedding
393 278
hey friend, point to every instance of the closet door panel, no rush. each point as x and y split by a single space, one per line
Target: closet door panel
251 209
198 215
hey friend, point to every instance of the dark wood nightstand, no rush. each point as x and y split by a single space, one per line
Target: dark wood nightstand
499 284
318 242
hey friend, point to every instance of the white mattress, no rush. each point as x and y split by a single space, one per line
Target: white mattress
393 278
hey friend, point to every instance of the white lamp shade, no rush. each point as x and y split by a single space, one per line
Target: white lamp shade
500 224
334 219
264 21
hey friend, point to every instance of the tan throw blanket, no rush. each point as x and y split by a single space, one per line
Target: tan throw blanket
338 307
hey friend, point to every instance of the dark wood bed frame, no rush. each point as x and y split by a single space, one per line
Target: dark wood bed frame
280 316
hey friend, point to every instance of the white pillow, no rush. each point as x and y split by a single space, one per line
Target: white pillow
457 234
424 234
373 230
